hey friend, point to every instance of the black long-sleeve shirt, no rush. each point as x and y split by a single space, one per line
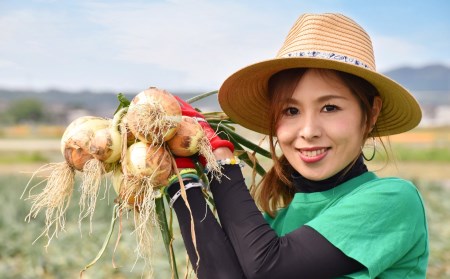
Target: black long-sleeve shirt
244 246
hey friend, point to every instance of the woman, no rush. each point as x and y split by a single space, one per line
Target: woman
325 214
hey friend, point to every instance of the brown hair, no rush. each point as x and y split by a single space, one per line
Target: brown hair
275 189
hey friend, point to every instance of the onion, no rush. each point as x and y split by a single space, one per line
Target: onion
60 177
106 144
190 139
145 169
102 146
154 116
90 145
138 194
76 140
153 163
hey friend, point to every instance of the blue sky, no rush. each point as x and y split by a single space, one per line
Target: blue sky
190 45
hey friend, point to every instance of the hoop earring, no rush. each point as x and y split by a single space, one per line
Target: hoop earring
374 144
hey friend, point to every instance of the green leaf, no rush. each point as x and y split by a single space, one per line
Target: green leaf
123 102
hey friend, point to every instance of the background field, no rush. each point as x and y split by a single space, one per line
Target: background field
421 155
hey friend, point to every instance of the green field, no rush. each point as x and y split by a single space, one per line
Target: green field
20 257
23 255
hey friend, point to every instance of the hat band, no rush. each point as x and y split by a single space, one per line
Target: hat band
329 56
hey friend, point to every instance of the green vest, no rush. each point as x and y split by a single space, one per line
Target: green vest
380 222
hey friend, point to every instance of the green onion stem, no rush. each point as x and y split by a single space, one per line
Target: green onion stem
201 172
259 169
201 96
105 242
166 234
242 140
244 156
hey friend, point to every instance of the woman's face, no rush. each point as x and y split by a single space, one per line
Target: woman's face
322 126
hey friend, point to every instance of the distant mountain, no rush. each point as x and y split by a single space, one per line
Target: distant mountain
428 78
429 84
99 104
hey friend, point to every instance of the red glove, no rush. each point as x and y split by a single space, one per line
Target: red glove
214 139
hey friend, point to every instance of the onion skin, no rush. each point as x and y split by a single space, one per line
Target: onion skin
144 160
154 115
76 140
76 155
186 141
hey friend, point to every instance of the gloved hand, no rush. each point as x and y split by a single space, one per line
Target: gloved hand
214 139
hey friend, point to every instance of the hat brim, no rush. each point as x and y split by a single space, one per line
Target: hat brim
244 95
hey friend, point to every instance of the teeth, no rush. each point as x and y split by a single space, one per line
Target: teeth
313 153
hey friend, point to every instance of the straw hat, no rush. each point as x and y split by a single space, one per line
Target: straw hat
330 41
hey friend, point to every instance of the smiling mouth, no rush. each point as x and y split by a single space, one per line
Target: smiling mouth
313 153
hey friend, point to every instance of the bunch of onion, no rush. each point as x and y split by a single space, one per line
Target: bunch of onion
138 146
155 131
152 117
59 177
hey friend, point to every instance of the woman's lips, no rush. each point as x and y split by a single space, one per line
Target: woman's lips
313 155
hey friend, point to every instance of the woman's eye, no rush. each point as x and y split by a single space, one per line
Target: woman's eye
291 111
329 108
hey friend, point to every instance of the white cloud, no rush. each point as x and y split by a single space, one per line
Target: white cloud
202 40
7 64
108 45
28 31
180 44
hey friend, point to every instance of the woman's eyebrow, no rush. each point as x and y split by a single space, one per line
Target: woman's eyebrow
323 98
330 97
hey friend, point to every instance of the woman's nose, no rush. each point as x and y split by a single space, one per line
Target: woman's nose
310 128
